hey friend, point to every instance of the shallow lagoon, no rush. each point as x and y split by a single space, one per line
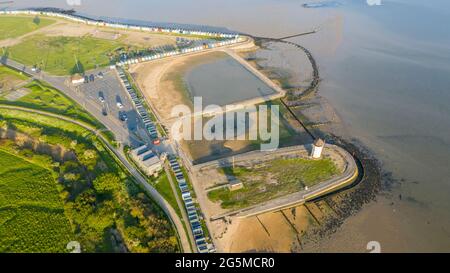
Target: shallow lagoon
224 81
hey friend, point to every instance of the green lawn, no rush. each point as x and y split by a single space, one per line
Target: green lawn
8 74
59 55
15 26
9 79
162 185
271 180
32 215
45 98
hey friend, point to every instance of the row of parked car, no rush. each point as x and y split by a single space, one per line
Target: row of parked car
194 219
148 123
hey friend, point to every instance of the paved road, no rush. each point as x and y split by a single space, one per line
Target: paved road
163 204
111 89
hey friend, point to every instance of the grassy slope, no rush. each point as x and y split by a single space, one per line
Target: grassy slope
46 98
58 55
7 73
291 175
44 120
31 213
162 185
10 78
14 26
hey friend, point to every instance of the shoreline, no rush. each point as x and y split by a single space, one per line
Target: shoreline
348 207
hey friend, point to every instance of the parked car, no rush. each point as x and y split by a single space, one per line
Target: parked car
123 116
119 105
101 97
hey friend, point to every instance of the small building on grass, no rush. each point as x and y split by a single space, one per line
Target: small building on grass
77 79
235 185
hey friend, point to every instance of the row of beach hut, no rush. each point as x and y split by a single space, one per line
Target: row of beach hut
156 56
194 219
90 21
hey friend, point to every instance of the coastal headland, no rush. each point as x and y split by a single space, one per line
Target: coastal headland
157 63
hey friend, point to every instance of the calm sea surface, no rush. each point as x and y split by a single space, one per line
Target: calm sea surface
386 70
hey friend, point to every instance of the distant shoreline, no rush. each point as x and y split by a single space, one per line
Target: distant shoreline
155 27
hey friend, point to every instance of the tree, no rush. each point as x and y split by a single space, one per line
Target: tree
107 183
37 20
78 68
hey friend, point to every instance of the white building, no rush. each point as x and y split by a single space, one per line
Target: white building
235 185
77 79
317 149
147 160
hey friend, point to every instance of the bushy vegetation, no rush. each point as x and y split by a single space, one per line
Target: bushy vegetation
64 55
15 26
106 210
271 180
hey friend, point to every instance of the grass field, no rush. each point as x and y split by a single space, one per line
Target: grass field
271 180
15 26
64 55
46 98
32 215
7 73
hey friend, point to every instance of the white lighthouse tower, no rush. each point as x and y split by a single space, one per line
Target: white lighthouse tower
317 149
